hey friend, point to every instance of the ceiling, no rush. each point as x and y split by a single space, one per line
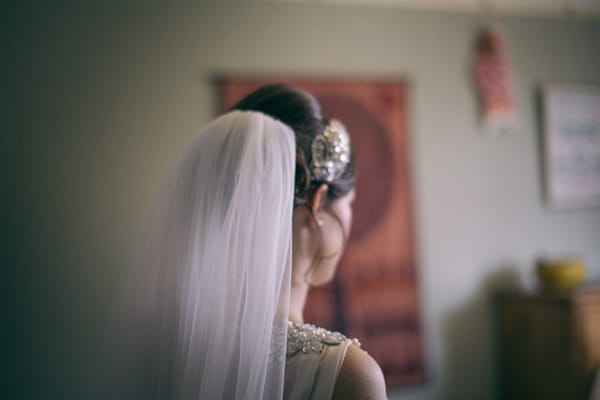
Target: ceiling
582 8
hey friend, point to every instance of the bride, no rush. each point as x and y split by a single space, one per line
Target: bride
256 212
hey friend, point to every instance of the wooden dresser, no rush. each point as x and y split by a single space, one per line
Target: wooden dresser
548 343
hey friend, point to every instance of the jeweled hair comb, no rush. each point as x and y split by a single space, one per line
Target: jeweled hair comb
330 152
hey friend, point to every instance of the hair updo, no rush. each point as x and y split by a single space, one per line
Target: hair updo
302 113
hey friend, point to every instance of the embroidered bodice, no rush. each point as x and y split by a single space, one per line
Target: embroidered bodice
314 358
308 338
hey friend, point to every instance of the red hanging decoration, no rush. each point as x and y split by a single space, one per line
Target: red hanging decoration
493 78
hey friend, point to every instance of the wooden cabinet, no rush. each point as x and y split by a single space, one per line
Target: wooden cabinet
548 343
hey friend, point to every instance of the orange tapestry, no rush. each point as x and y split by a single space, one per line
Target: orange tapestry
375 294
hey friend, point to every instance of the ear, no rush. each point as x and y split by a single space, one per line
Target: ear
318 200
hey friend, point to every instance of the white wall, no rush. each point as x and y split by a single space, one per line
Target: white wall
99 103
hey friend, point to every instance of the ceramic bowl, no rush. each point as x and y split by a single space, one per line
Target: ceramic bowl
561 273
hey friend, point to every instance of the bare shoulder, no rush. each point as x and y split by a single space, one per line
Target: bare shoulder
360 377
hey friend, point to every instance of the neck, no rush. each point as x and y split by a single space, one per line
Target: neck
299 291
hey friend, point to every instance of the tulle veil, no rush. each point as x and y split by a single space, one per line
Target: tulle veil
203 304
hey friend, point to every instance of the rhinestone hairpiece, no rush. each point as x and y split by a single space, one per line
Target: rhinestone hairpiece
330 152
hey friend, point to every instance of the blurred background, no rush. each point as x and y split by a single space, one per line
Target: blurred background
98 100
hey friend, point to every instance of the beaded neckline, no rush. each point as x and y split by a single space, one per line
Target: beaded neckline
308 338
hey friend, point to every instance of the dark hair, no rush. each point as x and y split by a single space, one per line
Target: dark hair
300 111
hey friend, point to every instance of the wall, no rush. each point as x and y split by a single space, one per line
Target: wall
101 101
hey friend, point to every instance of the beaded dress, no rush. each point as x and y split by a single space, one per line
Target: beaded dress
314 358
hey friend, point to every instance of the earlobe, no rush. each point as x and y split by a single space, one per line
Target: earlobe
305 219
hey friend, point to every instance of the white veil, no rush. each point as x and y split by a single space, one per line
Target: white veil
204 305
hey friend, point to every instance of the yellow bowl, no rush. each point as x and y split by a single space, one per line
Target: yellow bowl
561 273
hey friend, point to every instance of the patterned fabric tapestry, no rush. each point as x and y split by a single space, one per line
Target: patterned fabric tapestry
375 294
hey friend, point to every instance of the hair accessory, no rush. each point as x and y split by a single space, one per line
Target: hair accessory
330 152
